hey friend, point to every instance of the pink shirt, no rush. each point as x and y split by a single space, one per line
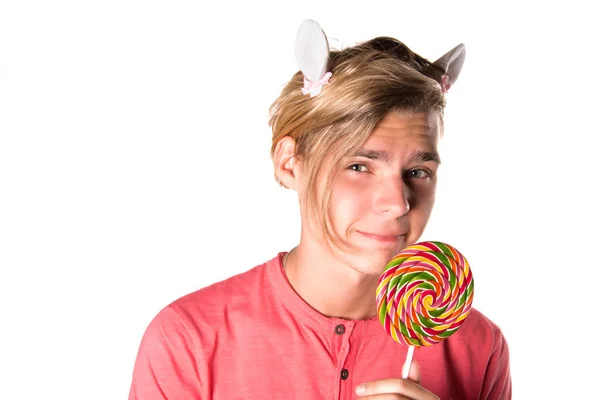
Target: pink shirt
252 337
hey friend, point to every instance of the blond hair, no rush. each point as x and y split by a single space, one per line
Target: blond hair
368 81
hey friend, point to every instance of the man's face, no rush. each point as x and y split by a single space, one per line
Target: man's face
383 196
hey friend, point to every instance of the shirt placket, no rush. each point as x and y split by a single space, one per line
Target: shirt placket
343 332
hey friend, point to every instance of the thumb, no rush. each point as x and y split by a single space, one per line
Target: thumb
415 372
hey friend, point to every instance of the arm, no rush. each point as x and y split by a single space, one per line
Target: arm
497 384
165 367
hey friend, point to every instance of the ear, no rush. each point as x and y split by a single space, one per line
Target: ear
286 164
451 63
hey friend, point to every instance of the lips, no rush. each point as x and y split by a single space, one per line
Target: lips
383 237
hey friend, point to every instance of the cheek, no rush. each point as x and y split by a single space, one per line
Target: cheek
421 208
348 202
423 197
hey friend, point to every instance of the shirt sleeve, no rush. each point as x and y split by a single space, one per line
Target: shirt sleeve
497 384
165 367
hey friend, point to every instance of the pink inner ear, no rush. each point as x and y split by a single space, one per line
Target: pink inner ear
314 88
445 83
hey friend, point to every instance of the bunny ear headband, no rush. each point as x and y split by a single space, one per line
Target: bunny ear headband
312 55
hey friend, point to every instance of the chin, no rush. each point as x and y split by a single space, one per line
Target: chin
372 262
370 257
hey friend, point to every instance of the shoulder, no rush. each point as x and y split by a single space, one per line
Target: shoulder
477 321
481 332
209 307
180 341
488 352
231 289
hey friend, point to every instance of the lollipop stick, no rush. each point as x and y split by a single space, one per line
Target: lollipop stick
408 362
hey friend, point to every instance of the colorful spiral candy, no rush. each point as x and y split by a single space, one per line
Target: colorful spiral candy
425 293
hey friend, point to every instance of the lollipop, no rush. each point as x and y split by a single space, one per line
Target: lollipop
424 295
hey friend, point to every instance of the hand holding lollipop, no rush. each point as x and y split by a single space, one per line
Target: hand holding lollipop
424 295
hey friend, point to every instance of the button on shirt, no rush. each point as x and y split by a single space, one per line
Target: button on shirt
344 374
252 337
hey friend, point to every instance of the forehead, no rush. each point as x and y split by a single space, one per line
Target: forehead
401 127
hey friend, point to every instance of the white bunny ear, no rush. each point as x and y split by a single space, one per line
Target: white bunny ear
312 50
452 62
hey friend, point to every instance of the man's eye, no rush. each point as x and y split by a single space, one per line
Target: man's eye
358 167
418 174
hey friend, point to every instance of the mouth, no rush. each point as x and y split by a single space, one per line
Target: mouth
384 238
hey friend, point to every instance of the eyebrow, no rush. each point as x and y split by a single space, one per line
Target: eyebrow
384 156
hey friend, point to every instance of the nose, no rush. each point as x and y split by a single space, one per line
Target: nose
391 198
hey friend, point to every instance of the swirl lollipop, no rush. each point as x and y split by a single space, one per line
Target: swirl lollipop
424 295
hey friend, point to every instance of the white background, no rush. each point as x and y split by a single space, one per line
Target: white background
134 169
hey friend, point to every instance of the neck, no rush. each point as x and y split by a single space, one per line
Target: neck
329 285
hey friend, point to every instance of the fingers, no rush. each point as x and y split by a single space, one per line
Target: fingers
395 388
415 372
387 396
385 388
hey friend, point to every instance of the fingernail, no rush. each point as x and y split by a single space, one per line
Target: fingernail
360 389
